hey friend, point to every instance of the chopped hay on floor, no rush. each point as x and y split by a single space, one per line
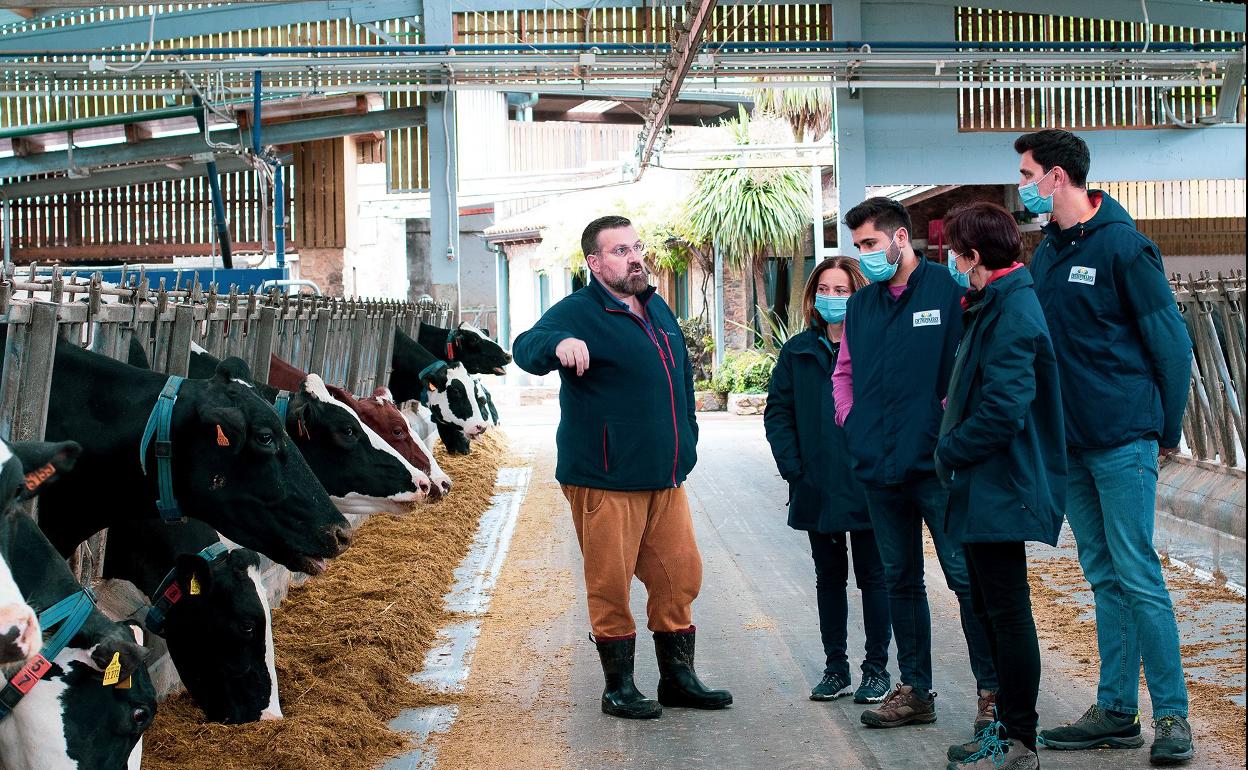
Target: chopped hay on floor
347 642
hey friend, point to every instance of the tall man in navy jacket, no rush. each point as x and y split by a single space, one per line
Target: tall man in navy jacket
1124 358
897 353
627 439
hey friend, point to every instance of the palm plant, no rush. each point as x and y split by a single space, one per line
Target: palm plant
749 212
809 112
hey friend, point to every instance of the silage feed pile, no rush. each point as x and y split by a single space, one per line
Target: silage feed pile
347 642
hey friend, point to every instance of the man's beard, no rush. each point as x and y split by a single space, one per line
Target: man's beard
630 284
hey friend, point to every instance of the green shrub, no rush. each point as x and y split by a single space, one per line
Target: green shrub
744 371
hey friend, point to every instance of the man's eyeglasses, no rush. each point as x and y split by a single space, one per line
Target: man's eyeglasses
623 251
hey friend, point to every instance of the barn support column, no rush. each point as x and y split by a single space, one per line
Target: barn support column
444 252
848 122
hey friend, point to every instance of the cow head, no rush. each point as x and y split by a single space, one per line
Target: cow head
237 470
362 472
478 353
453 402
71 719
221 637
25 467
484 402
380 414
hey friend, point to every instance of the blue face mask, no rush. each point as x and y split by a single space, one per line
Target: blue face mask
875 265
1033 201
960 278
831 307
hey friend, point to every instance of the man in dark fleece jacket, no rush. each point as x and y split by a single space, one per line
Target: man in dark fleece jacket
627 439
1124 359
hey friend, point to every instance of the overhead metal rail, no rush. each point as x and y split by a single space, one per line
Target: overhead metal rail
387 70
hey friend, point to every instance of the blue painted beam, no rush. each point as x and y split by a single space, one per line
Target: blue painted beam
915 140
59 185
190 144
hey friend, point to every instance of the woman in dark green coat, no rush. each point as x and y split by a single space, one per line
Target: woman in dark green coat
825 499
1002 453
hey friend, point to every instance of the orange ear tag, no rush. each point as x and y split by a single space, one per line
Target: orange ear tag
221 437
432 388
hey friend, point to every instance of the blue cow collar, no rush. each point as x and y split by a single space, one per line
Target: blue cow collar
70 614
158 425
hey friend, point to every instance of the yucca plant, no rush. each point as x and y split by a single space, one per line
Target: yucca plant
750 211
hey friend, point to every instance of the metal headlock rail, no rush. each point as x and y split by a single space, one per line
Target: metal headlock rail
348 342
1213 424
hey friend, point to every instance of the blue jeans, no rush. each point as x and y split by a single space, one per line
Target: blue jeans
831 578
1111 495
897 515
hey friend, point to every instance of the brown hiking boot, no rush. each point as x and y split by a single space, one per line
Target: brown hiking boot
987 713
902 707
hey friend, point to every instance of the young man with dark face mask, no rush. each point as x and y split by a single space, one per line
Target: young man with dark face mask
1124 359
897 351
627 439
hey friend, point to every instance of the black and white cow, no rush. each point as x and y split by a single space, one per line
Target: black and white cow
466 344
233 467
449 388
20 636
69 720
485 402
220 632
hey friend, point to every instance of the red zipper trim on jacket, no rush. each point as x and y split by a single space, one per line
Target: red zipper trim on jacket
671 389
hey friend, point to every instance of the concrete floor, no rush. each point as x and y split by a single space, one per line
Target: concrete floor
758 636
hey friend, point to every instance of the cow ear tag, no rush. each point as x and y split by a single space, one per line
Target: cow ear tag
432 388
124 684
112 672
222 440
196 590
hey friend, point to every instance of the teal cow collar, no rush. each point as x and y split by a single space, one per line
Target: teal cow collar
70 614
158 425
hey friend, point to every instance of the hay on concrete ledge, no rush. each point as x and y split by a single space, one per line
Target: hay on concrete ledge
346 643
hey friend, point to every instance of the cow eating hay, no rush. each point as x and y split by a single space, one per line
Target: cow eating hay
347 643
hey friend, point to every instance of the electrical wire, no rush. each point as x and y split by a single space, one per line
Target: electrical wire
151 43
1148 27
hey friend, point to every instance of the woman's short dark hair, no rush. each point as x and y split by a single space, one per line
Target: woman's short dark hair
856 281
986 228
589 236
1055 147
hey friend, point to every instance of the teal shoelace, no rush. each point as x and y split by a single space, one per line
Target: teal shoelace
990 745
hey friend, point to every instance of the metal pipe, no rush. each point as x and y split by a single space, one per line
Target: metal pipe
256 88
279 217
865 46
218 201
5 230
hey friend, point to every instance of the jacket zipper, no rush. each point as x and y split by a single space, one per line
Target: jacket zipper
671 390
606 466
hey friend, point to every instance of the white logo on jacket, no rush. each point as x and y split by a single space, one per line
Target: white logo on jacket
1084 275
927 318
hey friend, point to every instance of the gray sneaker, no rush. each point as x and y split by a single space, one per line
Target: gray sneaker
1097 727
999 755
1172 741
959 752
831 687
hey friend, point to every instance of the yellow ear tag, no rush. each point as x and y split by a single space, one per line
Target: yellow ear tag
112 672
195 589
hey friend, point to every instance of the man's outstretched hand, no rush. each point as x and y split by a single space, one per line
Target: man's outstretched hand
574 354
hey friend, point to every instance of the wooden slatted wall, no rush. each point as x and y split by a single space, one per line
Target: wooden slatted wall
1008 108
320 197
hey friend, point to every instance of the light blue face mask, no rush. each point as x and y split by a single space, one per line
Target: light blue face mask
875 265
1033 201
960 278
831 307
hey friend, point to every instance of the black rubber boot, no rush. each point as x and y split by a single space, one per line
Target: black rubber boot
620 698
678 682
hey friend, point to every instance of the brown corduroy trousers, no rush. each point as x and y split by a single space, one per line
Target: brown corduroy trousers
648 534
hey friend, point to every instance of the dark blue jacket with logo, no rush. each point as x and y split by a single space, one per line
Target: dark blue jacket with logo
628 422
1123 350
809 447
902 354
1002 448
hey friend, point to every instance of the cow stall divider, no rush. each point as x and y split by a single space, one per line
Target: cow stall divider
348 341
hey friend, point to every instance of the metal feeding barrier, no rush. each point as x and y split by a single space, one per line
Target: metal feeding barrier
1213 308
348 342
